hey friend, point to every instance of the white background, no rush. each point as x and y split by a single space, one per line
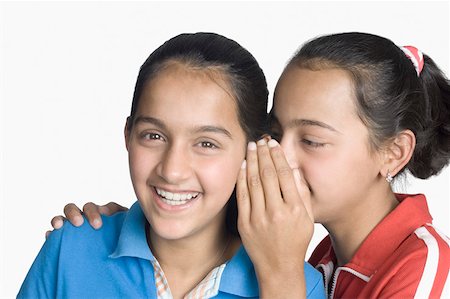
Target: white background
67 74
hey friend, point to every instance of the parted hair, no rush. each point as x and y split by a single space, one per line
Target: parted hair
390 96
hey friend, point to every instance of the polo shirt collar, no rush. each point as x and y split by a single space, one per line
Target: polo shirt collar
132 240
411 213
239 277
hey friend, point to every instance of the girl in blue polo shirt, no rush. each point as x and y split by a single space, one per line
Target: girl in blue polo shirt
199 98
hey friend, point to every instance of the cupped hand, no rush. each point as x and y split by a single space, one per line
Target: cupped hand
275 220
92 212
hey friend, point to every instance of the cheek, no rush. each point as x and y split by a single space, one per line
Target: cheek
338 172
141 163
220 175
324 173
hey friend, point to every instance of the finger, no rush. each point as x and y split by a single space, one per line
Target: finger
269 177
73 214
111 208
284 171
254 184
242 195
57 222
91 211
303 190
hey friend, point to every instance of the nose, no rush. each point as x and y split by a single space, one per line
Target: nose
288 146
175 165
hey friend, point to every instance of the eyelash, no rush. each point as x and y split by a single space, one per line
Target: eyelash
312 143
152 136
156 136
208 145
277 136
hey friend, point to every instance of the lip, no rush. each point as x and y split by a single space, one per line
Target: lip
173 208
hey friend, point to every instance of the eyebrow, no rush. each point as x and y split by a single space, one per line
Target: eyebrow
213 129
310 122
197 129
305 122
150 120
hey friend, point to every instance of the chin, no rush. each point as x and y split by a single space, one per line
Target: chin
170 231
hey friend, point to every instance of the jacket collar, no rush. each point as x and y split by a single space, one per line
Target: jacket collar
411 213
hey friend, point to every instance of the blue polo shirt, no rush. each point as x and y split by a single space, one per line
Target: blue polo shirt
114 262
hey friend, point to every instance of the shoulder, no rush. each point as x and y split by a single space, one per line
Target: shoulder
314 282
71 244
418 267
434 255
85 234
427 244
69 252
239 278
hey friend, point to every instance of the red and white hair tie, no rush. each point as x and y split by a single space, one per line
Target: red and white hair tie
416 57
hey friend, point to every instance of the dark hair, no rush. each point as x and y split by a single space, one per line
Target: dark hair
391 97
215 53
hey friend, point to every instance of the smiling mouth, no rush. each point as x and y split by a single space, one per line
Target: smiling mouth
175 199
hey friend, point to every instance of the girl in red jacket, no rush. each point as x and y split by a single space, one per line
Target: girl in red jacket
353 111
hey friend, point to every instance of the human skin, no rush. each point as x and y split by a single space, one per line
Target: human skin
186 140
327 145
185 147
321 133
323 137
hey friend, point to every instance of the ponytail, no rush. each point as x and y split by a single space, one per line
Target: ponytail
432 152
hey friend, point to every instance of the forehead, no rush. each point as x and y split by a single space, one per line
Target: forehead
179 75
325 93
180 94
325 96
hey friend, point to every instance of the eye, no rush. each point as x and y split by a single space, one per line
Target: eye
208 144
312 143
151 136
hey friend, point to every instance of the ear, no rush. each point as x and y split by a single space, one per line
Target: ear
398 153
127 131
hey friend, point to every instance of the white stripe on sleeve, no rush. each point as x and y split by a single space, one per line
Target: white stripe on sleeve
446 290
431 264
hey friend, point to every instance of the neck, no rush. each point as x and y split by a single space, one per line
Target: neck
191 253
348 233
185 262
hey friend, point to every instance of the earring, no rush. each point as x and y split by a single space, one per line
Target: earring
389 177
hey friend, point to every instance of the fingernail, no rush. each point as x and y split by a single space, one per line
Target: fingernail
244 164
96 223
252 145
78 220
58 223
272 143
262 142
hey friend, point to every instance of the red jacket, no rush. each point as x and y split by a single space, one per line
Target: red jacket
403 257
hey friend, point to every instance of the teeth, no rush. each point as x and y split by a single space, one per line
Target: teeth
175 198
